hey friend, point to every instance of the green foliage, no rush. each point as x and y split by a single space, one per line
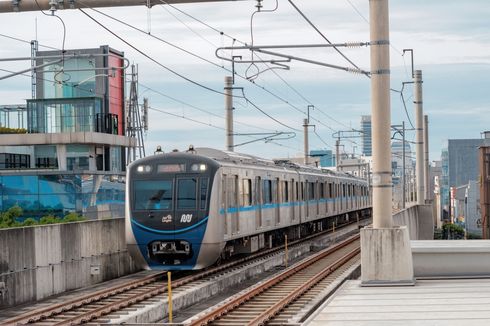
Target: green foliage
6 130
452 231
29 222
8 219
49 219
73 217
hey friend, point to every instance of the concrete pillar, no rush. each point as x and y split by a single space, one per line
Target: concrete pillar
419 138
61 156
426 159
306 146
404 178
228 90
381 113
386 257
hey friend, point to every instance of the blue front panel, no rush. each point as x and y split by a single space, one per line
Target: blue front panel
193 234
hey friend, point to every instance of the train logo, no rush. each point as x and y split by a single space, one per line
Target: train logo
167 219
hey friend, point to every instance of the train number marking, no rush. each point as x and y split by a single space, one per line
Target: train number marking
186 218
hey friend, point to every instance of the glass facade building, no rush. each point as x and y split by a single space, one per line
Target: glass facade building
69 155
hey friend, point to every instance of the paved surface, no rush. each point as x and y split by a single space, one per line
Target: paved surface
448 302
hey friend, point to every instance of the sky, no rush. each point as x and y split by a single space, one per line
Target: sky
450 42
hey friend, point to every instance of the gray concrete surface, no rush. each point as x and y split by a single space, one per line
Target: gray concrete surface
40 261
451 258
386 257
418 219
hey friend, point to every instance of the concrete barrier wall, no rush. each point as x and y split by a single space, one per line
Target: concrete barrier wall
419 220
39 261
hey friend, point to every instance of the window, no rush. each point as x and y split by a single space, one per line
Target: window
286 191
247 192
186 197
322 190
203 192
266 191
311 190
330 190
153 195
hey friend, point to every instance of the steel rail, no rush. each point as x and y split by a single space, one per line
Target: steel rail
239 300
42 314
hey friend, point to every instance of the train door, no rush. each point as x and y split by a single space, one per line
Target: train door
276 195
258 199
291 199
232 193
224 204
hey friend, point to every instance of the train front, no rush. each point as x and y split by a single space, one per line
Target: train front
168 199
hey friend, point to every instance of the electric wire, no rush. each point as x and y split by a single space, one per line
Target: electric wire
28 42
265 113
199 109
252 81
151 58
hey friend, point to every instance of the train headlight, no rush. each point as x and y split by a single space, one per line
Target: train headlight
143 168
199 167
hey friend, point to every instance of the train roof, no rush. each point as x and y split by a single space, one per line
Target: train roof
240 158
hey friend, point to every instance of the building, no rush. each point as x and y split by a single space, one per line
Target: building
67 152
325 156
459 165
367 149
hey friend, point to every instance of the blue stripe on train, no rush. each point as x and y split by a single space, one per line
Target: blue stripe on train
272 205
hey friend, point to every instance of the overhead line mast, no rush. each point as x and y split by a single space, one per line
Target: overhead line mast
53 5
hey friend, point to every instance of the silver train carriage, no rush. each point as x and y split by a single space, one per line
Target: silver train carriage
187 210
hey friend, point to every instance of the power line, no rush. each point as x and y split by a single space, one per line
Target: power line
28 42
151 58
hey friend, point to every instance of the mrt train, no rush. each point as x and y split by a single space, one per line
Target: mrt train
189 210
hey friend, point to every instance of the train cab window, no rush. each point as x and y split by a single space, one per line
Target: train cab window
186 193
247 192
153 195
203 192
266 191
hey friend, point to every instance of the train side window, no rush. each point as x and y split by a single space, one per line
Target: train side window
267 191
203 192
286 191
186 193
247 192
311 190
297 191
322 190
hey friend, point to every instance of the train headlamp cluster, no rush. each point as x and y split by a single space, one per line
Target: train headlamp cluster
143 168
199 167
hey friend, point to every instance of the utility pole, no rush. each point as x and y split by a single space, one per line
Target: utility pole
306 149
337 153
426 159
419 138
386 255
228 90
403 167
381 114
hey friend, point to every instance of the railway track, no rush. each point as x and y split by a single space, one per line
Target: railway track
275 300
103 302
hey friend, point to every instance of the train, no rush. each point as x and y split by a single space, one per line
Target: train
191 209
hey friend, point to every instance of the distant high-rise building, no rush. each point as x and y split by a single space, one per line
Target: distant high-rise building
367 149
459 166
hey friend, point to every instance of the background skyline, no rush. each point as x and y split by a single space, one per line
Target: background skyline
449 39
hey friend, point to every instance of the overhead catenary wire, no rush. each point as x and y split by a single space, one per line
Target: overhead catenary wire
151 58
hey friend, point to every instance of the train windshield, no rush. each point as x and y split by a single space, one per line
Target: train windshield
153 195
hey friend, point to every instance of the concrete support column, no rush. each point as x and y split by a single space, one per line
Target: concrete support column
419 138
61 156
426 159
306 145
381 113
228 90
386 258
